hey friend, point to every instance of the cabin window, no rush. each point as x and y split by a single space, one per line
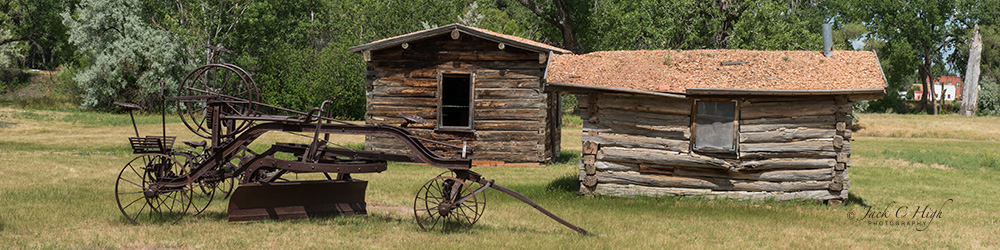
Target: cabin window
455 102
715 126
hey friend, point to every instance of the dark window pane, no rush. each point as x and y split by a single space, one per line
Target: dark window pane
714 126
455 100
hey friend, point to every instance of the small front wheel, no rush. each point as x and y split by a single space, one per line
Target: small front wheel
448 204
153 188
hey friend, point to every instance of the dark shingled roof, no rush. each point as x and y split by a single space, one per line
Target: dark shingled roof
705 70
509 40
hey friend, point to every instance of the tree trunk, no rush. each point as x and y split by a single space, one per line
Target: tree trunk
926 95
731 11
561 20
940 100
970 92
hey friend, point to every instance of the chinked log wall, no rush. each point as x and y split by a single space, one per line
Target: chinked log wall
788 148
510 108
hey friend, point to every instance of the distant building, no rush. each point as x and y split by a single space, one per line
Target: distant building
951 85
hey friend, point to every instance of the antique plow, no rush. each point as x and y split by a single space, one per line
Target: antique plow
219 102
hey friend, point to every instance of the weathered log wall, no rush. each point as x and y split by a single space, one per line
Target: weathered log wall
788 148
512 120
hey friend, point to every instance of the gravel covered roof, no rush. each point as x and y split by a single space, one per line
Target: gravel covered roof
677 71
516 41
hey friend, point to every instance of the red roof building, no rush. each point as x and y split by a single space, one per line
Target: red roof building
948 88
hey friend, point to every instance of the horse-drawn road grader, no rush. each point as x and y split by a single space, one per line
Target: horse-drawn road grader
220 102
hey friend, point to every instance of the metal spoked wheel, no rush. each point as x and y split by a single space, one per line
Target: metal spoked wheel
448 204
142 195
203 188
224 187
204 193
226 86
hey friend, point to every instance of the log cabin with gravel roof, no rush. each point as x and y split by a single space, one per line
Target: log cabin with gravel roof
718 123
475 90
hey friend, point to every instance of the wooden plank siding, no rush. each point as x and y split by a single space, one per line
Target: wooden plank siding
512 115
787 148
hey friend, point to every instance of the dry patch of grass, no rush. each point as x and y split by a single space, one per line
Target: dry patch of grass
902 164
927 126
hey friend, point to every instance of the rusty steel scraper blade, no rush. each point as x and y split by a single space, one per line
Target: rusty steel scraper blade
299 199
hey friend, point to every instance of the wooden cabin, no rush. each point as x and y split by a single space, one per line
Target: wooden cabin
466 87
718 123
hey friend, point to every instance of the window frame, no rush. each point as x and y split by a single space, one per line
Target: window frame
736 126
440 101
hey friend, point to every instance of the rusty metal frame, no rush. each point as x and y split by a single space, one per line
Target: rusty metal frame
314 157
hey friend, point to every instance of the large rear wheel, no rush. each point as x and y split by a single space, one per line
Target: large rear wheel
229 88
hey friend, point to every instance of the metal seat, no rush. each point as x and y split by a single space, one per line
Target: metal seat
152 144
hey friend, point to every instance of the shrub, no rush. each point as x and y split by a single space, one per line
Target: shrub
11 79
889 103
989 98
128 58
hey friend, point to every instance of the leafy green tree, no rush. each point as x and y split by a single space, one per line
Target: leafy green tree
989 98
986 14
846 34
689 24
11 52
778 25
129 58
204 28
36 26
642 25
509 17
991 52
562 16
919 46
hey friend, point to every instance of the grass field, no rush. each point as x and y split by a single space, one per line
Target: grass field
58 170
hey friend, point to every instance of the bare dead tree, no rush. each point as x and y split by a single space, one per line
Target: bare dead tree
970 92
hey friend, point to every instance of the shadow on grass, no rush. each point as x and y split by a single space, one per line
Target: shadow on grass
568 184
567 156
520 229
152 218
215 215
853 199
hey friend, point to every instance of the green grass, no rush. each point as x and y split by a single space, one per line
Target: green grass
59 168
960 154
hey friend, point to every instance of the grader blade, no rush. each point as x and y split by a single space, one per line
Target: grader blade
300 199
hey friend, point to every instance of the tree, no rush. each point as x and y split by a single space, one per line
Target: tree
508 17
775 25
969 92
560 19
991 51
10 52
918 46
984 16
204 28
989 98
130 59
37 26
690 24
642 24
